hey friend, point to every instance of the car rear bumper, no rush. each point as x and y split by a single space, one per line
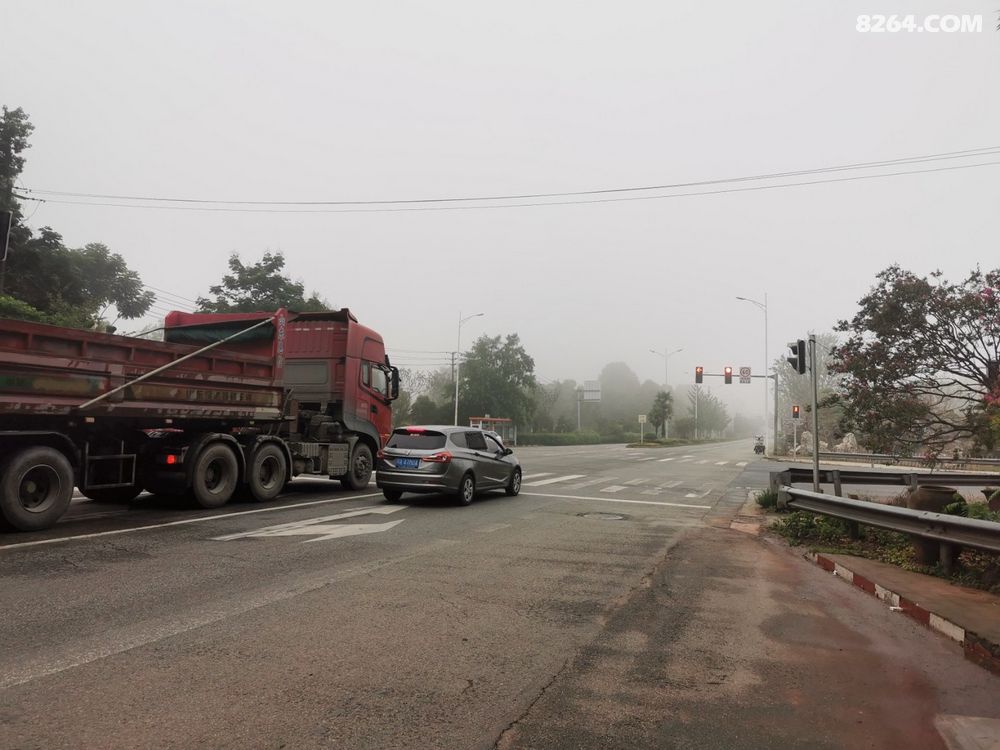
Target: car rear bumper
412 481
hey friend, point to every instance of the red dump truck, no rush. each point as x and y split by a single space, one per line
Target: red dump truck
227 405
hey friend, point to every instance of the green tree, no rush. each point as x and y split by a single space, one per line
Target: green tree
661 410
922 360
497 378
708 414
259 287
426 411
43 279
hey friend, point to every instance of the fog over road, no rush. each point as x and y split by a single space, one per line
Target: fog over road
609 605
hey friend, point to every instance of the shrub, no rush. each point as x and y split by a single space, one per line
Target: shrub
767 499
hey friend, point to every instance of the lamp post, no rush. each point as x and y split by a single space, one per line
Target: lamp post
458 355
763 306
666 377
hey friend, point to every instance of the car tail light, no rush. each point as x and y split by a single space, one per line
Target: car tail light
442 457
171 459
415 430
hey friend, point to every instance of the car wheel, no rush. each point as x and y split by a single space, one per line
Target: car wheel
466 490
392 495
514 486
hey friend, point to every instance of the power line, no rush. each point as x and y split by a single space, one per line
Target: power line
172 294
522 205
986 151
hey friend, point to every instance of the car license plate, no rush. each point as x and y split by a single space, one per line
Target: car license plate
407 463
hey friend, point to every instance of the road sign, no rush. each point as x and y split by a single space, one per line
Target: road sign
642 419
591 390
744 375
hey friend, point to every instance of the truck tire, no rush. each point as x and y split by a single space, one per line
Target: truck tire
113 494
359 473
215 476
267 473
36 487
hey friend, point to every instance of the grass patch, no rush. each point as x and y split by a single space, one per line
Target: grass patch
975 569
768 499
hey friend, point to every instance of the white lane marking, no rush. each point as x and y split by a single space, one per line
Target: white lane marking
721 463
691 494
619 500
703 461
310 523
589 482
490 528
670 485
654 491
186 521
554 480
687 456
635 481
664 460
615 488
535 476
651 458
741 463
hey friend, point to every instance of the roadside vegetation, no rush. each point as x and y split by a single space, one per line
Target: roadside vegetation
975 569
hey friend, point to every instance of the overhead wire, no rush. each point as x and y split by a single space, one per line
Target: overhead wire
227 206
947 155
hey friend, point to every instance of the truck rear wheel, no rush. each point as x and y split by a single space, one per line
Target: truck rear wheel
360 471
267 473
215 476
36 487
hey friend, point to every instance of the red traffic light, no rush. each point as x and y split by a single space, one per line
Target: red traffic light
699 373
795 411
728 373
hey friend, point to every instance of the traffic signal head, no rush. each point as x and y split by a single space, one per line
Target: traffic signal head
798 358
699 373
795 411
728 373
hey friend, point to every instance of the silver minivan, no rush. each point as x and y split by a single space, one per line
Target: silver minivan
456 460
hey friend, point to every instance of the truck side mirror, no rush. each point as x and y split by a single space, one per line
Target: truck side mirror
394 384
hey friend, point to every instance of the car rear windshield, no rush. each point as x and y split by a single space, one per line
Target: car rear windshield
421 441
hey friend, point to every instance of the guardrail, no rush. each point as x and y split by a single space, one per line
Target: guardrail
839 477
951 533
897 460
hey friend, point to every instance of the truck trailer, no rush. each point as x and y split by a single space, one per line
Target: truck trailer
227 405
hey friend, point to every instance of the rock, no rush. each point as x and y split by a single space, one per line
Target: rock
849 444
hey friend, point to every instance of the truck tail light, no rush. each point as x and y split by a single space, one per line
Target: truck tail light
442 457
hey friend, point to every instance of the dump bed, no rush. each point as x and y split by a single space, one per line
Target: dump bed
54 370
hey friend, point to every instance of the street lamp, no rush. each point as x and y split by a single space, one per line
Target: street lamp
458 355
666 378
763 306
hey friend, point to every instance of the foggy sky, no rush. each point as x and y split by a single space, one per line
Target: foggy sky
371 101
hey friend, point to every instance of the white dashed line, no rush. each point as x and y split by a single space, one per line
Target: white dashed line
554 480
615 488
664 460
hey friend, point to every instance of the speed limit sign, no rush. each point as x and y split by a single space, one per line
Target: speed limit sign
744 374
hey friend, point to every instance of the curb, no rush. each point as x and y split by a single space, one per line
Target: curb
978 650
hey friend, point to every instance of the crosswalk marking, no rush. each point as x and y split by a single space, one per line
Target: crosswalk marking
553 480
619 500
650 458
703 461
741 463
589 482
672 458
654 491
635 481
615 488
535 476
721 463
671 485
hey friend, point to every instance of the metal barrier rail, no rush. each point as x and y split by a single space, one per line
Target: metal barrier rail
838 477
894 459
951 532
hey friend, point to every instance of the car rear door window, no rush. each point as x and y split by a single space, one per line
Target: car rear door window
476 440
458 438
421 441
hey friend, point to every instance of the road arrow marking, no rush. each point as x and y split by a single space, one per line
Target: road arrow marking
321 528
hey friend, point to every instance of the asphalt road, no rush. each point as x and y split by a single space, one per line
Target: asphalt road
609 605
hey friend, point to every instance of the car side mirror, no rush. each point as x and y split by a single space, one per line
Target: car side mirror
507 451
394 383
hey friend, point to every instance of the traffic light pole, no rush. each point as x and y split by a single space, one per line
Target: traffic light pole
815 398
